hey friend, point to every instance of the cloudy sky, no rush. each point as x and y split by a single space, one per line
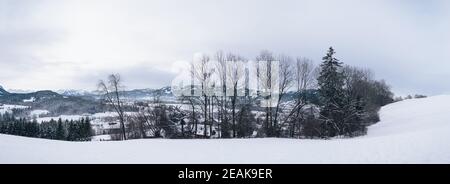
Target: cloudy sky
65 44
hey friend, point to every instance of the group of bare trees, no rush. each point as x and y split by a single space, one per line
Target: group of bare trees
229 110
224 101
220 85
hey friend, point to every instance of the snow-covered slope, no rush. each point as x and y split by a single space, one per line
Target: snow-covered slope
3 91
411 131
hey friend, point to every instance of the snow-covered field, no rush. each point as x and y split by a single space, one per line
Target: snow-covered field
411 131
38 112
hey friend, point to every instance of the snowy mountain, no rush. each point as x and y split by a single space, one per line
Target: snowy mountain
51 101
17 98
77 101
74 92
138 94
20 91
3 91
410 131
164 93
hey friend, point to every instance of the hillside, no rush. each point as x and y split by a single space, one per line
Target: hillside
51 101
3 91
411 131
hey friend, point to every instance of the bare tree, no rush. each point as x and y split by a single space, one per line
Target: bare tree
286 79
152 119
111 93
235 79
306 78
202 73
265 78
306 74
222 102
193 128
357 81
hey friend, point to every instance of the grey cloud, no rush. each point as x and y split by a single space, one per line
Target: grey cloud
404 42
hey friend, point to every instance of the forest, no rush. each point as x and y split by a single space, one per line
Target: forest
79 130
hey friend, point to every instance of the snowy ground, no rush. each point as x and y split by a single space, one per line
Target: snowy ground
412 131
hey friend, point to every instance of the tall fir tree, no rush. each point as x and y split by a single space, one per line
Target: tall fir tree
86 129
71 131
331 82
60 132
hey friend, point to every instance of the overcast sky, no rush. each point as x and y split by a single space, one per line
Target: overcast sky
55 44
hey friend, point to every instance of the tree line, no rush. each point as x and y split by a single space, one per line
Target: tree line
73 130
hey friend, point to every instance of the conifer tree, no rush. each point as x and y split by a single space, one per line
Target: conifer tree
60 132
331 82
71 131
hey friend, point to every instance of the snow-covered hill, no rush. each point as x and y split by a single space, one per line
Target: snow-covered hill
411 131
3 91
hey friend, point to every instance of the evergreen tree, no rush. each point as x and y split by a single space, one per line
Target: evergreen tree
331 82
60 132
34 128
86 129
89 130
71 131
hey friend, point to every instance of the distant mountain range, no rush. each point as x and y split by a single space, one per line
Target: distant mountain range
82 101
91 97
77 101
20 91
164 93
51 101
135 93
18 98
73 92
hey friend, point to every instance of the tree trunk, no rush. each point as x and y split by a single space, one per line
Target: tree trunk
182 130
234 111
122 124
206 116
211 113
